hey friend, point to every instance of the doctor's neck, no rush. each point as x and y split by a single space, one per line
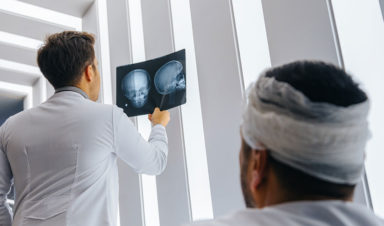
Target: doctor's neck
89 81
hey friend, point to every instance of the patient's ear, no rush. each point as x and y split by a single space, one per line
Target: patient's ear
257 168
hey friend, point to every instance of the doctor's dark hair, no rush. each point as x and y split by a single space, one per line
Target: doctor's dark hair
64 56
320 82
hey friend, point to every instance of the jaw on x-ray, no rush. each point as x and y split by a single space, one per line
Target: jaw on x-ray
160 82
136 85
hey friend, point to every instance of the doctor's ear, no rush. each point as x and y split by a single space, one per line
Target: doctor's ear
258 164
89 72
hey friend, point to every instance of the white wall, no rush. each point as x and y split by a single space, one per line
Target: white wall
221 91
299 29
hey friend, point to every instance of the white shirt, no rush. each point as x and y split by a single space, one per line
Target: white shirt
306 213
62 157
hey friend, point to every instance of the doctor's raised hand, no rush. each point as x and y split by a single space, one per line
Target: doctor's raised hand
159 117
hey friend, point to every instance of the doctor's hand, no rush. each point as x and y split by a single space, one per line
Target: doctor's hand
159 117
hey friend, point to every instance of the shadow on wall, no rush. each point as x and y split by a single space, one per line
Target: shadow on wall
382 8
9 106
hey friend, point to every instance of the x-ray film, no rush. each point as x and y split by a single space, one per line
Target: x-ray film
160 82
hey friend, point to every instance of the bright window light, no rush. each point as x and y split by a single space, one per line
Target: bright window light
41 88
136 30
118 216
104 50
24 68
11 202
40 14
149 186
196 158
361 33
148 183
151 211
43 92
20 41
251 38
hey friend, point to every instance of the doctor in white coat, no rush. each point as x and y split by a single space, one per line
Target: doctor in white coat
304 132
62 155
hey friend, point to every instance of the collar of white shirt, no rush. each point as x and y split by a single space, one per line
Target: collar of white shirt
73 89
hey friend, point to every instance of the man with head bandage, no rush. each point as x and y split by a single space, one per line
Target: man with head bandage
304 132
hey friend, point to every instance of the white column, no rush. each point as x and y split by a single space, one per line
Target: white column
299 29
221 92
192 121
121 52
172 190
252 38
103 39
150 208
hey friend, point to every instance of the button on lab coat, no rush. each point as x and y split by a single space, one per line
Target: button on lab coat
305 213
62 158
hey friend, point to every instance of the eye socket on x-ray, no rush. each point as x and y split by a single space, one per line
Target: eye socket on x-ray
170 78
135 86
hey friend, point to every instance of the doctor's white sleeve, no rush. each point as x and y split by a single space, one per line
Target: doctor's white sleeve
149 157
5 185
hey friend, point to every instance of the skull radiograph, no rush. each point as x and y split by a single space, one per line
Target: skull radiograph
159 82
170 78
135 86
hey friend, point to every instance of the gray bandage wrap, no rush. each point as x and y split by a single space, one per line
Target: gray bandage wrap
320 139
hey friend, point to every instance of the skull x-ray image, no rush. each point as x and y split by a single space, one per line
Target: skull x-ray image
160 82
170 78
136 85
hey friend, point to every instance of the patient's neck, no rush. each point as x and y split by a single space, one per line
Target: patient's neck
274 193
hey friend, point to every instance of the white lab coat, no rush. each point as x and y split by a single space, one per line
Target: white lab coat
303 213
62 156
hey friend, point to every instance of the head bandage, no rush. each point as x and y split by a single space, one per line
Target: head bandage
320 139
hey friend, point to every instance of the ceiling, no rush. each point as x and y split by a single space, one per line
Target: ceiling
24 20
16 24
20 55
72 7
